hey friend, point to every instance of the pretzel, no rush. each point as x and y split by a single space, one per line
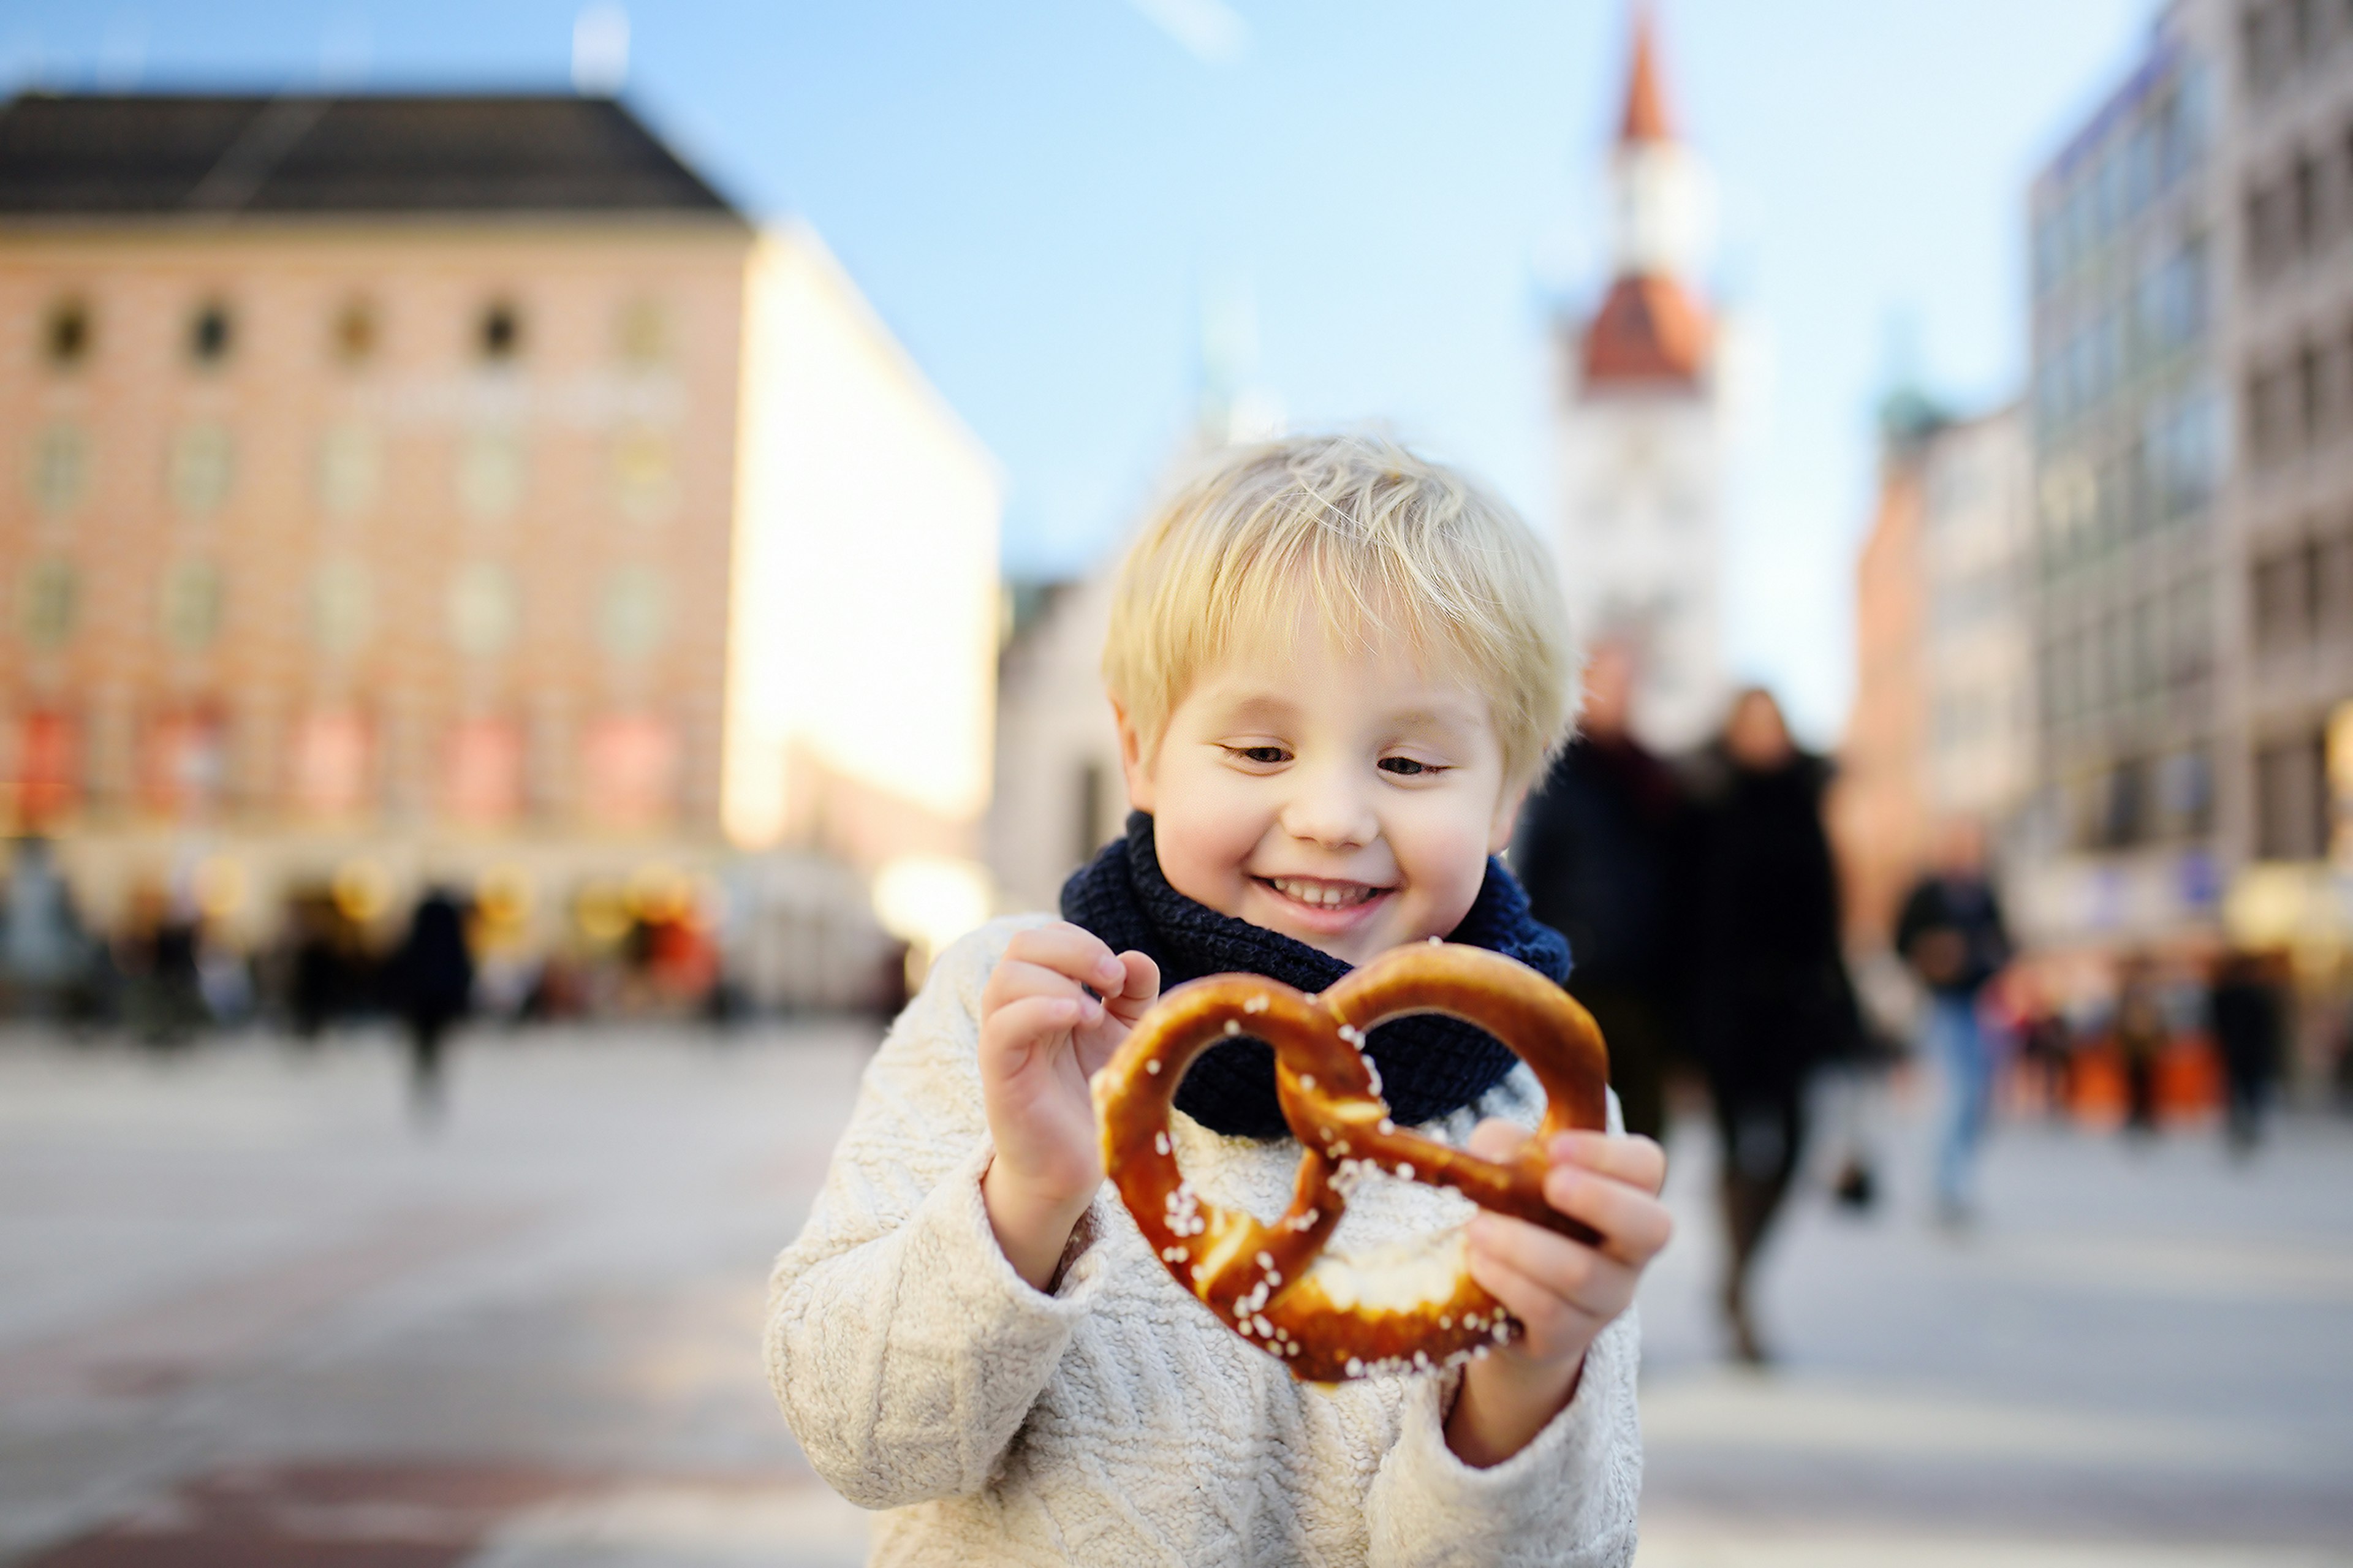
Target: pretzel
1409 1307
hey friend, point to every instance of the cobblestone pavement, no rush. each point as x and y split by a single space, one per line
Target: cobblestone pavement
248 1316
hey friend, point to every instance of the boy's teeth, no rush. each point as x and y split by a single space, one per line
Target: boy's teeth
1329 895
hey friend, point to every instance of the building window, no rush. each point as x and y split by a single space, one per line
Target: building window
183 767
211 334
498 339
644 473
356 334
2282 595
629 771
189 609
493 471
341 606
47 604
635 615
202 466
327 765
2184 795
60 469
480 609
641 335
46 776
2292 799
351 468
481 772
66 335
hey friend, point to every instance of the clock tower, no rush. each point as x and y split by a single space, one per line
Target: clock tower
1640 423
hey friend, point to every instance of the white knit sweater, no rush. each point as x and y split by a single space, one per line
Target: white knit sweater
1115 1420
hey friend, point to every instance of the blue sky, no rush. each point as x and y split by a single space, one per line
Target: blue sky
1037 197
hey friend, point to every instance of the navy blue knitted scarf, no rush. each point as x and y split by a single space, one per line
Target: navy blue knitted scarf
1431 1066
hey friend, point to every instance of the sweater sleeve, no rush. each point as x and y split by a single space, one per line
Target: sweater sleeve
903 1349
1567 1498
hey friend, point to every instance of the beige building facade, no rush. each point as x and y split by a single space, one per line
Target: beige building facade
409 490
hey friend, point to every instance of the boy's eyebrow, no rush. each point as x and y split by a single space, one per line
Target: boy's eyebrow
1453 718
1259 706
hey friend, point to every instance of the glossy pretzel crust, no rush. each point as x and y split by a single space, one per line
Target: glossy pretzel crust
1325 1317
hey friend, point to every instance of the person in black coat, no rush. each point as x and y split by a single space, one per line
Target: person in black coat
1594 852
431 986
1769 995
2248 1017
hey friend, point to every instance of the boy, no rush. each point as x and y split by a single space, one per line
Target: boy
1335 669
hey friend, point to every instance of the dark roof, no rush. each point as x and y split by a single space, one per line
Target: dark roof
156 155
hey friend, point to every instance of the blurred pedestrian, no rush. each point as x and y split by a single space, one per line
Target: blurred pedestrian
2246 1009
1769 993
163 999
1594 852
2141 1036
44 960
1951 932
430 983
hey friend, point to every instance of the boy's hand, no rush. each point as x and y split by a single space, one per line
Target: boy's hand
1041 1038
1563 1292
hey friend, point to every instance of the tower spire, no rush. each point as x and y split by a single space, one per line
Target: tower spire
1646 118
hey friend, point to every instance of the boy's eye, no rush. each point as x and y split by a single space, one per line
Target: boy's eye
1266 755
1408 767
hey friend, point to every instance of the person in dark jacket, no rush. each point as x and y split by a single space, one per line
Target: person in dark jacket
431 985
2245 1004
1593 852
1767 982
2142 1035
1951 934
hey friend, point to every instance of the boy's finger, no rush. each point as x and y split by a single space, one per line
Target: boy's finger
1570 1270
1631 1158
1143 977
1019 1027
1634 1225
1543 1312
1496 1139
1553 1260
1015 982
1070 950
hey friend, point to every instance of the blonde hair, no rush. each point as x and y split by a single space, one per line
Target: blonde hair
1384 544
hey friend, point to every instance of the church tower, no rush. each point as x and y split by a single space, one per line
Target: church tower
1640 428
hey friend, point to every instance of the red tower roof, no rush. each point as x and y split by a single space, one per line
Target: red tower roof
1646 103
1649 331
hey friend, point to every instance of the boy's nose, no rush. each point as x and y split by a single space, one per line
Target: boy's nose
1329 810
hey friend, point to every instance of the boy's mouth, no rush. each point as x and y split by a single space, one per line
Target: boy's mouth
1323 893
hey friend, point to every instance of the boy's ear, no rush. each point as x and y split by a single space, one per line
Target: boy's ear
1131 762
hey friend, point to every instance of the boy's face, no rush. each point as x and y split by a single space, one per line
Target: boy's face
1344 797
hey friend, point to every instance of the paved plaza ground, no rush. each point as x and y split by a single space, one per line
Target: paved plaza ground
249 1317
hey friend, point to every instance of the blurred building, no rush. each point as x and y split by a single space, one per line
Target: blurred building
2131 262
1640 420
411 487
2290 549
2194 391
1061 795
1975 547
1942 722
862 693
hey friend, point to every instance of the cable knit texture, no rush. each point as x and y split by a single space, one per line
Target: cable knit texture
1115 1420
1431 1066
